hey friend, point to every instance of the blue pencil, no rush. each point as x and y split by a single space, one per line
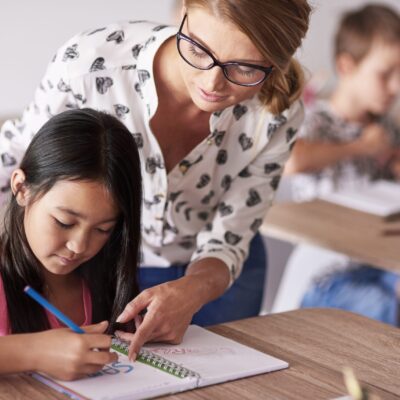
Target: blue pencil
55 311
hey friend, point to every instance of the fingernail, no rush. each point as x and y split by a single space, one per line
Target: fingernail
133 357
120 318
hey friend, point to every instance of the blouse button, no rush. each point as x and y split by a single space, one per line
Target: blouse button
183 168
210 142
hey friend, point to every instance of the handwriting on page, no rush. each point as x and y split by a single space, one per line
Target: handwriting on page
165 351
113 369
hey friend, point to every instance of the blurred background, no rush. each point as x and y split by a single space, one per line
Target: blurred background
31 32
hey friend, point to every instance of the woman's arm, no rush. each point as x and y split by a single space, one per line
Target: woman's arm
171 305
59 353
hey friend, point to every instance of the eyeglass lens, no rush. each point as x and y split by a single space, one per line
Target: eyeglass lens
236 73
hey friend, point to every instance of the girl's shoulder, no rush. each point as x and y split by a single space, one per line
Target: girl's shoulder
4 325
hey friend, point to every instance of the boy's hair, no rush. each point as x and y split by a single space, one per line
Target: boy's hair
77 145
359 29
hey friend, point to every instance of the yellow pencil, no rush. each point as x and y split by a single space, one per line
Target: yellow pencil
353 386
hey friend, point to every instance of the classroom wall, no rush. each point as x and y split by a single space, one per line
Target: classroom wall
316 53
31 31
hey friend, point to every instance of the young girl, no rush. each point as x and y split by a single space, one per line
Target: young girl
72 232
214 108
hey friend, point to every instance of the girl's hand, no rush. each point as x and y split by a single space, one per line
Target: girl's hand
67 355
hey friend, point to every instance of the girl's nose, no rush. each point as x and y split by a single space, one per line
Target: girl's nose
78 243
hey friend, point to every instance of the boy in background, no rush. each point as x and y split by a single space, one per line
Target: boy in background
349 140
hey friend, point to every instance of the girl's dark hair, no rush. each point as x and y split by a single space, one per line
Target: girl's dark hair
77 145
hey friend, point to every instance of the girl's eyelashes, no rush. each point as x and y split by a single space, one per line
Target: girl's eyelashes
62 225
105 231
69 226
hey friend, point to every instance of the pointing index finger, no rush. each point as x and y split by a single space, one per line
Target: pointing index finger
141 336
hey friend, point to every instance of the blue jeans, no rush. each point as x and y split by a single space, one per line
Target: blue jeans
242 300
361 289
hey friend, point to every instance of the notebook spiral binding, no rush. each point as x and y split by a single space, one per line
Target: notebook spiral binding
154 360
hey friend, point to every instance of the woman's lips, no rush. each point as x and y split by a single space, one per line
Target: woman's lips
211 97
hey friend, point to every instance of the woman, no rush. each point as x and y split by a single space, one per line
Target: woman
214 112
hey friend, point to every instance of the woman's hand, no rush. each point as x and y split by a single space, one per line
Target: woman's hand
67 355
170 306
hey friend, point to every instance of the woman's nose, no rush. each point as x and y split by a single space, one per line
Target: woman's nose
215 79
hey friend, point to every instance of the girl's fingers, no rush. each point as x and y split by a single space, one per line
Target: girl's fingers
96 328
102 342
100 358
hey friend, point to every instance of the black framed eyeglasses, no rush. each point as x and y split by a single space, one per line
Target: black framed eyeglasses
199 57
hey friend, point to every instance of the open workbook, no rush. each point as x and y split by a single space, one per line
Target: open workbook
203 358
381 198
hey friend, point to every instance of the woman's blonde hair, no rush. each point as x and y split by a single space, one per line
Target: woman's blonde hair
276 27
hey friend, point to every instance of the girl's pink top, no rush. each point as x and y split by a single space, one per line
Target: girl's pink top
53 321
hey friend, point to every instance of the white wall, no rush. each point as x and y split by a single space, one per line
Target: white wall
32 30
316 52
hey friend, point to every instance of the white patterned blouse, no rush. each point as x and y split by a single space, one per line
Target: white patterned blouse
209 205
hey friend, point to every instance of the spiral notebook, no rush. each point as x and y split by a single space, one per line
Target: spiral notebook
203 358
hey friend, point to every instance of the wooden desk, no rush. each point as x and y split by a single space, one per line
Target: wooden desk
354 233
317 343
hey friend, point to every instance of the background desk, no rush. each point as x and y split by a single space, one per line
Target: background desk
354 233
317 343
